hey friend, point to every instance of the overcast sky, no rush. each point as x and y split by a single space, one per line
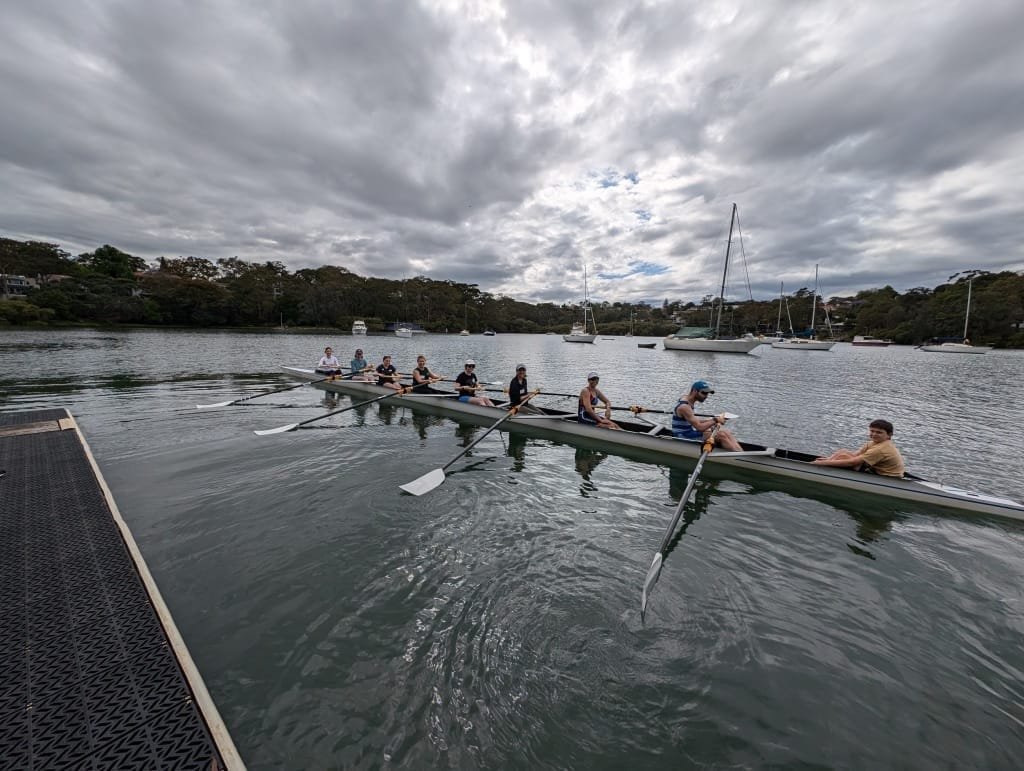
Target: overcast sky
510 144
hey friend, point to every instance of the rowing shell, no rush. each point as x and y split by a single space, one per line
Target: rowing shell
657 442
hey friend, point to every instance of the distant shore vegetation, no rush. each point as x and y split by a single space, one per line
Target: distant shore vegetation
43 285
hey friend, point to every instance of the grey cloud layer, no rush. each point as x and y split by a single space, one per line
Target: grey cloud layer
510 145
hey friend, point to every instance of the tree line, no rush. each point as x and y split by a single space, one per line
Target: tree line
109 286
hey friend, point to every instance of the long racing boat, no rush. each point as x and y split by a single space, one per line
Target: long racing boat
656 441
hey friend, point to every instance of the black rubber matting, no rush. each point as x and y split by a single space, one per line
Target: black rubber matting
87 677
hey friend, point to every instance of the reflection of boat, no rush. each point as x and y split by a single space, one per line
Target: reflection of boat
868 340
403 331
358 327
650 440
705 338
965 346
807 343
579 333
646 345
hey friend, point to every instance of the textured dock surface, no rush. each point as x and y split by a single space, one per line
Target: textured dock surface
93 674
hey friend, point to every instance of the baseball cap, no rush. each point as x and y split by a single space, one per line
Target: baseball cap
520 366
593 375
470 361
702 385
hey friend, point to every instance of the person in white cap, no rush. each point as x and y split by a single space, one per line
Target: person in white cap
466 382
590 397
517 388
359 366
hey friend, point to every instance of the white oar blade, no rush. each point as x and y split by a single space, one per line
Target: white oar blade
211 406
652 576
730 415
425 483
278 430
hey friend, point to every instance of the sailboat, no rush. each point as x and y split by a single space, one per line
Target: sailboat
705 338
776 336
965 346
465 322
579 333
807 343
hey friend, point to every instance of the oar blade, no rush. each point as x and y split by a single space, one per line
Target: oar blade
425 483
278 430
652 575
211 406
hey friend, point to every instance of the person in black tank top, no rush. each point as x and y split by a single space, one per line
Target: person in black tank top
423 378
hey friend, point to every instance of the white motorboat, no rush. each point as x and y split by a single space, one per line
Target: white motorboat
358 327
403 331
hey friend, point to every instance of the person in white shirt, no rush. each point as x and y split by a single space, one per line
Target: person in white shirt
328 364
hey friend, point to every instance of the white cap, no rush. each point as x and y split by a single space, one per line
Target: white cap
592 375
470 361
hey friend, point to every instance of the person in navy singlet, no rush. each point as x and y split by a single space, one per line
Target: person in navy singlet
686 425
467 382
590 397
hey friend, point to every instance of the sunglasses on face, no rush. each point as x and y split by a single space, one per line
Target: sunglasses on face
704 393
521 370
470 366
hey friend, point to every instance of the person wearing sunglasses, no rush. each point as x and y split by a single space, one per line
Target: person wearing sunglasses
878 456
687 426
590 397
359 365
467 386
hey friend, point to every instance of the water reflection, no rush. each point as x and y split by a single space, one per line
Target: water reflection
516 450
465 433
586 462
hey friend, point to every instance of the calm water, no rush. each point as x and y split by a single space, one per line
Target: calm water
495 622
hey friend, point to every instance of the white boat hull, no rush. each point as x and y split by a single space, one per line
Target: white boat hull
403 332
708 345
867 340
802 344
579 338
359 329
956 348
658 443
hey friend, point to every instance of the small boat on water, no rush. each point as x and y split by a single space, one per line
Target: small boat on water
868 340
807 343
656 441
489 333
579 332
706 339
359 327
403 331
464 333
646 345
962 347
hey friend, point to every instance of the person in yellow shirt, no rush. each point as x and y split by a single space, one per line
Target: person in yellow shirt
879 455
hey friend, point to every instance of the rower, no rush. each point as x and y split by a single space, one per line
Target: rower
467 386
688 427
386 374
358 365
879 455
590 397
328 364
423 378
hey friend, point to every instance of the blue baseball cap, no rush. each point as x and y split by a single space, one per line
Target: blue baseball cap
702 385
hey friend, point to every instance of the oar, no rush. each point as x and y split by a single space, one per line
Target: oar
293 426
432 479
278 391
636 410
655 569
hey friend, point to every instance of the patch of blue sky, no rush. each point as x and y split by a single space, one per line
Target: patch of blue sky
612 177
637 269
642 214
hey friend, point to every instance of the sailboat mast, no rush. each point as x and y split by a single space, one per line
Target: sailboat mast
814 299
778 321
725 271
967 315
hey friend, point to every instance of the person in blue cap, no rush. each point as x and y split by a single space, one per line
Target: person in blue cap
687 426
